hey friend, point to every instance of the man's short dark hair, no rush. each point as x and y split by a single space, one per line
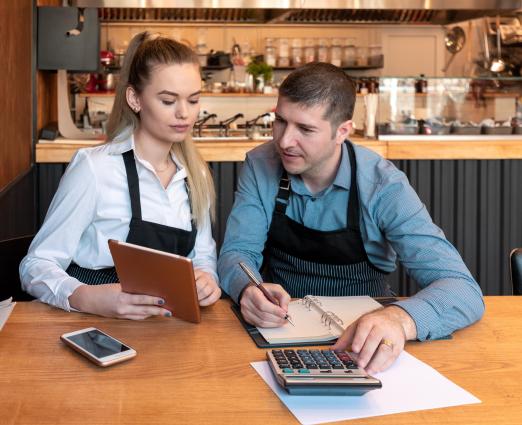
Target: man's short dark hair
320 83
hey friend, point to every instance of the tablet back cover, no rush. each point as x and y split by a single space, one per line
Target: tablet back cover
148 271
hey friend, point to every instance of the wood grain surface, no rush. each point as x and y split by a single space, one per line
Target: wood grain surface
201 374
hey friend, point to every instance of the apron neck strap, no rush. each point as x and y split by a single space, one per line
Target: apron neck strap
353 200
134 184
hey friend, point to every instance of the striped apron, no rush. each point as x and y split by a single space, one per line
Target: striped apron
141 232
312 262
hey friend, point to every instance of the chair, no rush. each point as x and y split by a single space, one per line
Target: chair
516 270
11 253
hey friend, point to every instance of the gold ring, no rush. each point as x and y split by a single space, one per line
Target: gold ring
387 342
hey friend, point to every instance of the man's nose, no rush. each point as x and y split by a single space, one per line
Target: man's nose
287 137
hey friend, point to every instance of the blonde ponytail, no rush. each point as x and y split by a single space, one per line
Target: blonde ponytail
122 116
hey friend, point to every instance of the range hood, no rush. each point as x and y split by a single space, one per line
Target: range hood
428 12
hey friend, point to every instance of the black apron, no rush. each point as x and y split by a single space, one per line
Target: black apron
312 262
141 232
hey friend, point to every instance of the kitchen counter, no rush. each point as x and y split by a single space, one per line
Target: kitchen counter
391 147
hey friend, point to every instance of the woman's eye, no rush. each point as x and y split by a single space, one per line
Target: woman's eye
167 102
194 101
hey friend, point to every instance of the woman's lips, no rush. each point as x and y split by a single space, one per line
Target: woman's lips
180 128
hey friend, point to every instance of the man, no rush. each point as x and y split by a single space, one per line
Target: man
321 216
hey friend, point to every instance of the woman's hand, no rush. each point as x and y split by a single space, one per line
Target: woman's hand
207 287
109 301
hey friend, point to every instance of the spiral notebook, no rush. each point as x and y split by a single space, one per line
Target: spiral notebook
319 319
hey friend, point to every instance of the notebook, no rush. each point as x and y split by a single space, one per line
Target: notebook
148 271
319 319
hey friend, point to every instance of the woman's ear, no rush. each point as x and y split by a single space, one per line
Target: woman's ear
132 99
343 131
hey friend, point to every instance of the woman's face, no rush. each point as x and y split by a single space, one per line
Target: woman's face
169 102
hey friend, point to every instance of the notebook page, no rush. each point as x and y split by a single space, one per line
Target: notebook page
348 309
308 327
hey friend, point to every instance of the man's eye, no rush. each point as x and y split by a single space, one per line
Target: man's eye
305 130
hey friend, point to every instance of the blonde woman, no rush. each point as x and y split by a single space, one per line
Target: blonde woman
147 185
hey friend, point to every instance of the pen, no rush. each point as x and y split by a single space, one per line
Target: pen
258 284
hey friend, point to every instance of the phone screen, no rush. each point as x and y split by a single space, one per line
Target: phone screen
98 344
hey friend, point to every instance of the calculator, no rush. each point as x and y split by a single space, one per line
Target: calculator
320 372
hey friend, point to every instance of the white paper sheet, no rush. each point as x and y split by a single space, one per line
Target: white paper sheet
6 306
408 385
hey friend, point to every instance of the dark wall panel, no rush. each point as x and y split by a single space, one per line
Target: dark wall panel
18 207
478 205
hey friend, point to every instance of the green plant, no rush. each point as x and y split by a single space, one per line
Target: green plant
260 68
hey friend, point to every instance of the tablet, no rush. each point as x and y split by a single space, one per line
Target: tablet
151 272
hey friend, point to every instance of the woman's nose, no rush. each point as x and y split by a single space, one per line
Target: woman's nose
181 110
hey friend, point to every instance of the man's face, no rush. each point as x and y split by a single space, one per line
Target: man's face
305 140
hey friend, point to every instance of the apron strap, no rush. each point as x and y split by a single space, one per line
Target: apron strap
353 199
283 194
133 182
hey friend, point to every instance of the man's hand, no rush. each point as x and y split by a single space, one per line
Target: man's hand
378 337
109 301
258 311
207 287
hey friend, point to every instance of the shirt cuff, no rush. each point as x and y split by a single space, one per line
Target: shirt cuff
422 314
237 288
67 287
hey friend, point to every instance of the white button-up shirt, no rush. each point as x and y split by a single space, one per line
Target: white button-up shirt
91 206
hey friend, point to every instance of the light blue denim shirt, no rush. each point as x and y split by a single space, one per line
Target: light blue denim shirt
394 225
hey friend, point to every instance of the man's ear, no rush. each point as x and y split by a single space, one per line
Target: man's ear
133 99
343 131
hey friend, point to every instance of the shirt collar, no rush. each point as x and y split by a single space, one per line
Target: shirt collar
125 143
342 178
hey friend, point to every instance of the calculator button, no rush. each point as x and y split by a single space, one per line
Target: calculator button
337 366
284 366
304 371
311 366
324 367
287 370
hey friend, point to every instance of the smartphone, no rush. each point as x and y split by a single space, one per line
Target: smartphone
97 346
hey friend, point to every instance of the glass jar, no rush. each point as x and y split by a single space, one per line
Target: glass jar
270 52
322 50
283 57
309 50
297 52
361 54
336 52
349 57
375 55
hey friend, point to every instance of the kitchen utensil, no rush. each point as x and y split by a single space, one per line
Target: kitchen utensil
498 65
454 42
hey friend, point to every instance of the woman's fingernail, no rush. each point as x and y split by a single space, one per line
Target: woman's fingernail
161 302
168 314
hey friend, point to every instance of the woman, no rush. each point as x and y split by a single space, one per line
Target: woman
148 186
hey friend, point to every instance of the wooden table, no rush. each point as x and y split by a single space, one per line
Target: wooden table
186 373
